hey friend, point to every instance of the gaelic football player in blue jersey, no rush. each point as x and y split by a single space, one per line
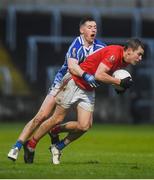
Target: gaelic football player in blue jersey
81 47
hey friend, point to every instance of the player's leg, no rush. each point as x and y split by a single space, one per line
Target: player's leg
71 127
64 100
56 118
86 101
80 127
60 128
84 123
44 111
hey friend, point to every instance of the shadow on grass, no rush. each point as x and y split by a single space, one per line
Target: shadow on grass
118 164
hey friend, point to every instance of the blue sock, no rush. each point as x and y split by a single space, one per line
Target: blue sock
60 145
19 144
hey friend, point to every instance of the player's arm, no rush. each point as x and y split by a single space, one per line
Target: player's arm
74 68
103 76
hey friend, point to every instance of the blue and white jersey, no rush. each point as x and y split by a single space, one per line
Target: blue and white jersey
78 51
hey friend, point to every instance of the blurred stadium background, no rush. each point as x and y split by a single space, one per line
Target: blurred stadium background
34 37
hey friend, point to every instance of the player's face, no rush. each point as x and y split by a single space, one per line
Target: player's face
89 31
135 56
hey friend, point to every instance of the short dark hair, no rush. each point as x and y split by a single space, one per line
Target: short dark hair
133 43
85 19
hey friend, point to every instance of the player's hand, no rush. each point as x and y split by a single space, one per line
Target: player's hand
90 79
126 82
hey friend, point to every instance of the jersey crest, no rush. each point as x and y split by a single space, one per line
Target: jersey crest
111 58
74 52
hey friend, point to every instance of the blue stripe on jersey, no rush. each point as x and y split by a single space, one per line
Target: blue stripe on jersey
78 51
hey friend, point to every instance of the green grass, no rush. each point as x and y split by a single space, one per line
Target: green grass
106 151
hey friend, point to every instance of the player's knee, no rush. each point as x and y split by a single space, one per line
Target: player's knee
84 128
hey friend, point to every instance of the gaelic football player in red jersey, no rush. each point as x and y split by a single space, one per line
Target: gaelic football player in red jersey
97 67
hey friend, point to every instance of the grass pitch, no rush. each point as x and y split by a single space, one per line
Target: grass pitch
106 151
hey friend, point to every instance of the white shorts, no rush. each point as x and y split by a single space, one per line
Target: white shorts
55 89
72 94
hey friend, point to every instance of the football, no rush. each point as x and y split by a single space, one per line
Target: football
120 74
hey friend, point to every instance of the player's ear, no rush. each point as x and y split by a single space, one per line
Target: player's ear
129 50
81 30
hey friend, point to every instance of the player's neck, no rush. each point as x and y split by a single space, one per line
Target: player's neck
86 43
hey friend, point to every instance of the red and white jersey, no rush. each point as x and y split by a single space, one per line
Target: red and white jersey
111 56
